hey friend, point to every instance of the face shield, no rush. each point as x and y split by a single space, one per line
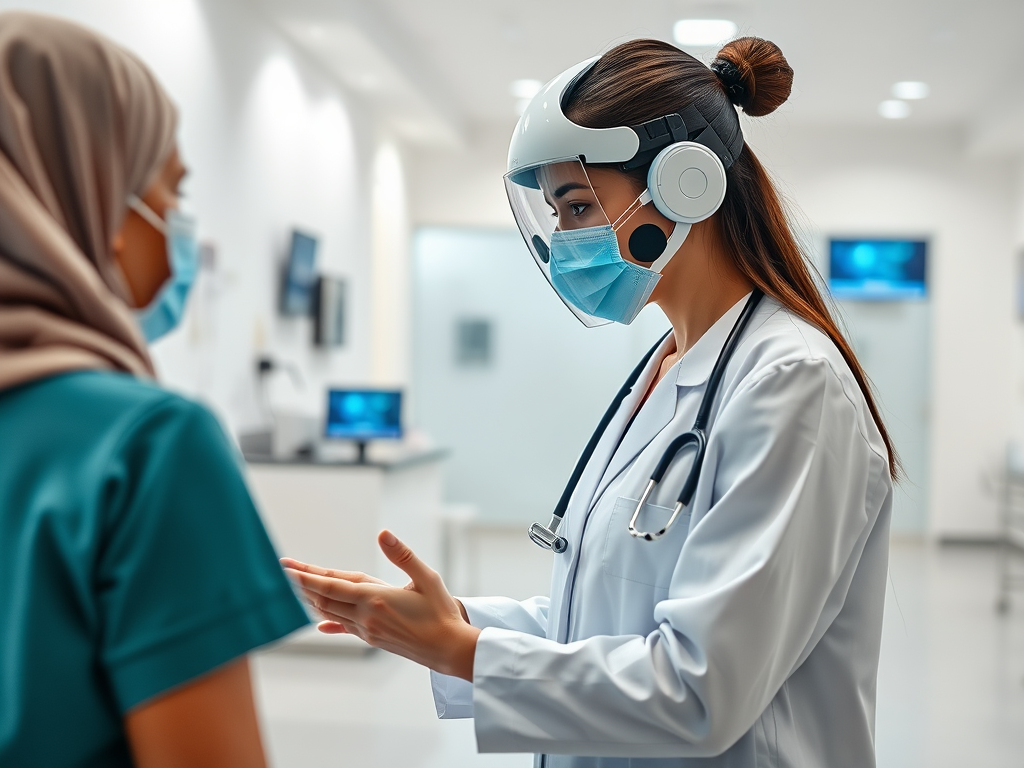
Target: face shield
573 242
570 235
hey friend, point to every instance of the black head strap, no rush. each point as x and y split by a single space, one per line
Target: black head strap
688 125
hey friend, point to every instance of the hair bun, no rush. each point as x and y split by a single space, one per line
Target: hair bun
755 75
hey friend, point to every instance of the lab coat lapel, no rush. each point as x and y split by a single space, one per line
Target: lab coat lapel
586 491
653 417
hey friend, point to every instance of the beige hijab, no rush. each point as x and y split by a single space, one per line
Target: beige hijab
83 124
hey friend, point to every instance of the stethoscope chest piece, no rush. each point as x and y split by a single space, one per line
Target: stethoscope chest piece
545 536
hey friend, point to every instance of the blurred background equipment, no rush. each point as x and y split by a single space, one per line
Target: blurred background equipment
329 311
299 281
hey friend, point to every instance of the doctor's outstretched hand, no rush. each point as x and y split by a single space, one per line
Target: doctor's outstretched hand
420 621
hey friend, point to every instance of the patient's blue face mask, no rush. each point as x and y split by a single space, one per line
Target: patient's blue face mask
163 314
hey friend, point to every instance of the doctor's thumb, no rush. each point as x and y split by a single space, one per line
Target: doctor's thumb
401 555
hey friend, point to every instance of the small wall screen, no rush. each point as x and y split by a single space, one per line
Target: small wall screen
329 312
299 276
878 269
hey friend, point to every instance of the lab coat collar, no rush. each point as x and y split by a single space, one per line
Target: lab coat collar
653 417
695 367
693 370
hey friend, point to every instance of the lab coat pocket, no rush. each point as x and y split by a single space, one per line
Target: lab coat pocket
644 562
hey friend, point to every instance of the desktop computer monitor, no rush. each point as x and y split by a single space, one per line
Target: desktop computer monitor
363 415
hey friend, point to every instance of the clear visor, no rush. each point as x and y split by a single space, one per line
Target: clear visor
557 196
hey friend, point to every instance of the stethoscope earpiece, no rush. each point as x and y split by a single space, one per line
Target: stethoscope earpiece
647 243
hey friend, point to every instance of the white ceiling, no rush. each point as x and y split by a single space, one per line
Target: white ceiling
439 68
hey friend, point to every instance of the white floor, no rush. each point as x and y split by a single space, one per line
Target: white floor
951 684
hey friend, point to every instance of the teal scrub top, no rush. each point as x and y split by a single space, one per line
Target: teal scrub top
132 560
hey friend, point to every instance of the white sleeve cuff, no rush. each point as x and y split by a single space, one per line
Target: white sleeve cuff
453 696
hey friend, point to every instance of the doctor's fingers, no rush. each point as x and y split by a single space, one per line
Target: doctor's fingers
331 610
332 628
398 552
335 589
356 577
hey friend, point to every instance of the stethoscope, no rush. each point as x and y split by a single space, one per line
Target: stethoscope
547 536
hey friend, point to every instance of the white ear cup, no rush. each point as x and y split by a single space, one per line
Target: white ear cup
687 182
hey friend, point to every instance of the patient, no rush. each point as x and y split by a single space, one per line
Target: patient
135 574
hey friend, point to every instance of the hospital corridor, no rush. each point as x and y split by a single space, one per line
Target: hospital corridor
442 384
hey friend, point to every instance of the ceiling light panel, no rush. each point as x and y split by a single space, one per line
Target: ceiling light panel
894 109
910 89
703 32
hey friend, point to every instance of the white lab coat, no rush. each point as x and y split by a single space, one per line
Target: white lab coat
747 636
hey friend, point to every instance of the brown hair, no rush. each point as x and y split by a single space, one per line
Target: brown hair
646 79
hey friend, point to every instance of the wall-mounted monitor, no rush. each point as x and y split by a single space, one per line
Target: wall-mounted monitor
878 269
299 279
364 414
329 312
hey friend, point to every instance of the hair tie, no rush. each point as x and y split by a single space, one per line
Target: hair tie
731 79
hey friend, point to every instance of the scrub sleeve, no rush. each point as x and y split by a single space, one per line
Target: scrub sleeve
187 577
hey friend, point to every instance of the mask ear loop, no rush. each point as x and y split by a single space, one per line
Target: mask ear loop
635 206
675 240
136 204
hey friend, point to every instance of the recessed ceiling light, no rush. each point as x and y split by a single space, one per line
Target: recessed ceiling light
894 109
910 89
525 89
703 32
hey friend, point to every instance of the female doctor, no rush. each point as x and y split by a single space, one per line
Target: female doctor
720 553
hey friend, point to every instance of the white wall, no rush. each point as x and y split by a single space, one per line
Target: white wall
1018 282
272 143
893 179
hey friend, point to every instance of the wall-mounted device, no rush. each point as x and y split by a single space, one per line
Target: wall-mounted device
473 342
329 312
878 269
362 415
299 279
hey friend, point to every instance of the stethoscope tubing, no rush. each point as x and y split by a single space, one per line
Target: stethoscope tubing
547 536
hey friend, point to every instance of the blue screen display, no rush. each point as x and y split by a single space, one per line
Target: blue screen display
878 270
300 276
364 414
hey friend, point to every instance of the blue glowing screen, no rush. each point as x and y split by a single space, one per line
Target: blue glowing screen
878 270
364 414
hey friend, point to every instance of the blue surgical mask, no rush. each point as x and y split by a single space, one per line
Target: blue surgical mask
588 271
163 314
